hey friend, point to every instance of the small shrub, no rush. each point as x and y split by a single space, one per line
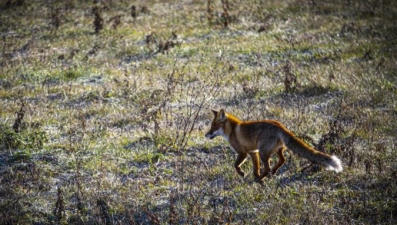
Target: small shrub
290 79
98 21
24 140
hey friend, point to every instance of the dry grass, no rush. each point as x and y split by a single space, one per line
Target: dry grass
104 106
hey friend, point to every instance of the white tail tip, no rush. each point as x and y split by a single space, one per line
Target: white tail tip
335 165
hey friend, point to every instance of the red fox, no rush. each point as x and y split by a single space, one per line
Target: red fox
260 139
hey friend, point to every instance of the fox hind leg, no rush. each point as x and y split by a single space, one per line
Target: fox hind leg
265 158
281 159
266 150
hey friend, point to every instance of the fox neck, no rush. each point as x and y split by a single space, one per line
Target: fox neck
230 125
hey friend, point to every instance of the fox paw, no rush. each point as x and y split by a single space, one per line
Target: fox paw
260 181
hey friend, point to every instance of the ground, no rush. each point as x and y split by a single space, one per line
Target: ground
104 106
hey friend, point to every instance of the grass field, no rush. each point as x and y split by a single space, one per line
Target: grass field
104 106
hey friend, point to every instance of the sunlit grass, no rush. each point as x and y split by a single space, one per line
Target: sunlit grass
108 117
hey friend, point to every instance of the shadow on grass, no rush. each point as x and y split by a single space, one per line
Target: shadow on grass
371 198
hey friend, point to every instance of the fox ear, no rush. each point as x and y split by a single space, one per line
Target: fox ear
222 115
214 112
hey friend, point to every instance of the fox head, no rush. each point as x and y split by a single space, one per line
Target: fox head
217 124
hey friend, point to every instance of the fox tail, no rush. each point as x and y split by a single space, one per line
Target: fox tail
331 162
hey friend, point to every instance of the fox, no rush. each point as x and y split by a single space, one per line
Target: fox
260 139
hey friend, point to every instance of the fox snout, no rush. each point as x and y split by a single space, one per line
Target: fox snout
210 135
213 133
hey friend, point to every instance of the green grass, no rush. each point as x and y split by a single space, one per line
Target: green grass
118 125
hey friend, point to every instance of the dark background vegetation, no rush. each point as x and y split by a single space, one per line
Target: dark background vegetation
104 105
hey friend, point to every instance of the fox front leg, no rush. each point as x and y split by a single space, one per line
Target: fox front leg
239 161
256 163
